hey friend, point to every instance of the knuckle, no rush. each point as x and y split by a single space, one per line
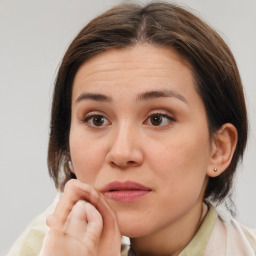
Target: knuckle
89 189
70 185
82 190
50 220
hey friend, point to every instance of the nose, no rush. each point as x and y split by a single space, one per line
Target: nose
125 149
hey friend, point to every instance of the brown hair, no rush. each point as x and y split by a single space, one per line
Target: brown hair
163 24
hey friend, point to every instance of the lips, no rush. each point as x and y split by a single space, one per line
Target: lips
125 191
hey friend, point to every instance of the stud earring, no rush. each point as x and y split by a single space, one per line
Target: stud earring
215 169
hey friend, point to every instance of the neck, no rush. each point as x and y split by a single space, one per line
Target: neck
174 238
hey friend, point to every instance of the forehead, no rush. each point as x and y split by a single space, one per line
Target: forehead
141 55
141 67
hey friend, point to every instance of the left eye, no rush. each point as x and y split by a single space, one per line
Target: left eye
159 119
96 121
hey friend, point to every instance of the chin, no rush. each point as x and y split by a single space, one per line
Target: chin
133 227
133 232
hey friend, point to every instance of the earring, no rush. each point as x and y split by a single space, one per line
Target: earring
70 165
215 169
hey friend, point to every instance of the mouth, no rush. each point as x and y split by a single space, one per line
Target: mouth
125 192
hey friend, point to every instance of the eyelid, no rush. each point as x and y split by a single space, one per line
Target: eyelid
164 113
170 118
91 113
88 117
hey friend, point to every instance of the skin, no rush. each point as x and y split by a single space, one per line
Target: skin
115 137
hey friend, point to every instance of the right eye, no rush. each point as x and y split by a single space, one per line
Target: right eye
96 121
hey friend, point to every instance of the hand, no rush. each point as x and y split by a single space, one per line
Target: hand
82 225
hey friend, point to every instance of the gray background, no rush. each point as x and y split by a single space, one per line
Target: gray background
33 39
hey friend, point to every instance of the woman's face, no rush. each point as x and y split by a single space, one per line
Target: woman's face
139 135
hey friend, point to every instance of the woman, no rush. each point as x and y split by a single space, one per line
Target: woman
148 125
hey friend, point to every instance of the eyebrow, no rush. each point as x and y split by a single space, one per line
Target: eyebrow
93 96
150 95
160 94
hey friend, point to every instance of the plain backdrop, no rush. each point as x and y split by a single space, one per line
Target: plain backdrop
33 38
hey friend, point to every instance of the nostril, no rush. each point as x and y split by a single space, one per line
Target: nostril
123 164
131 162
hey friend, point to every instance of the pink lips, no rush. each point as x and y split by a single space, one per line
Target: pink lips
125 191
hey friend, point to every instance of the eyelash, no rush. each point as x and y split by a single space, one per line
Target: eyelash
169 119
89 119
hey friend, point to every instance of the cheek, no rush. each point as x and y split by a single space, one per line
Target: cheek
181 163
87 158
177 157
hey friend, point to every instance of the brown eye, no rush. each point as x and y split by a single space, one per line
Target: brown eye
156 120
98 120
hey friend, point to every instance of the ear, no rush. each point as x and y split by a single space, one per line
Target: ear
222 149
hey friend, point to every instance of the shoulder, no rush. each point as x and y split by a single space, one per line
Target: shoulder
229 237
30 241
250 235
237 235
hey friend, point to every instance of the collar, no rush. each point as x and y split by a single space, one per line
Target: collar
198 244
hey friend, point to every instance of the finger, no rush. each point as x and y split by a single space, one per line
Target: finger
84 222
76 224
68 199
94 223
75 191
50 220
